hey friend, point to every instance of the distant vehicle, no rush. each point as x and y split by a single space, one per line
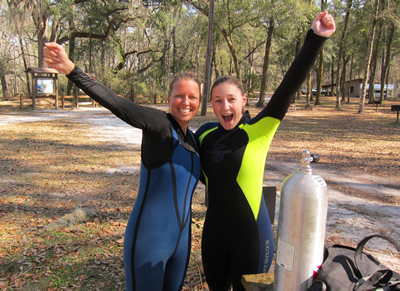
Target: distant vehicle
323 91
378 94
314 91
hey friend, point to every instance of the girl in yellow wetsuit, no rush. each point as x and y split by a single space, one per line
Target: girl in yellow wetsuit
237 235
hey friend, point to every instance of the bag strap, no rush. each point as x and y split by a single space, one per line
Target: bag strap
378 281
358 258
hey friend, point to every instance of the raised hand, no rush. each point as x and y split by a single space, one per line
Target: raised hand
324 24
56 57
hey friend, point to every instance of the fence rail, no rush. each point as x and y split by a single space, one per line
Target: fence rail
71 101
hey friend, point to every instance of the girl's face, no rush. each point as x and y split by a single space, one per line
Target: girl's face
228 102
184 101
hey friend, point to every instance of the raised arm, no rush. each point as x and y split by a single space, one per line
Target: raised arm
322 28
138 116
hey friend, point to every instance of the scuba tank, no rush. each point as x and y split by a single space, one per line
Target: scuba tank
301 228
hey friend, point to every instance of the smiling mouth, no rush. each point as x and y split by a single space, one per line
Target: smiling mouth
185 110
228 118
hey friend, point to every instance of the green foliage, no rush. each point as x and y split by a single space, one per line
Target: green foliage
62 9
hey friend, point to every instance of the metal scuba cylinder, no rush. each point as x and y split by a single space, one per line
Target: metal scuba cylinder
301 228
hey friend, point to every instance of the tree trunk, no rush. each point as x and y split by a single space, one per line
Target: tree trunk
40 12
386 65
350 78
232 50
343 79
71 53
369 55
374 60
340 56
332 75
271 28
4 86
207 69
132 94
298 45
319 77
309 92
215 62
174 53
320 71
13 8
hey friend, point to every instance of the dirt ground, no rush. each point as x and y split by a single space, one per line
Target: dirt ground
360 162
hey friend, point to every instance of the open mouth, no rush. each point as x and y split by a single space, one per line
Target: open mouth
185 110
228 118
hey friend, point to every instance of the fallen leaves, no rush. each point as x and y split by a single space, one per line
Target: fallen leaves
49 168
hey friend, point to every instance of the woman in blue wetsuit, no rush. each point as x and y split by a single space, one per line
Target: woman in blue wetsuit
237 235
157 238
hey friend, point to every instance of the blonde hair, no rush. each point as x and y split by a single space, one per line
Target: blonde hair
184 76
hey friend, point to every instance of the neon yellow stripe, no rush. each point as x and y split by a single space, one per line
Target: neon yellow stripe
201 137
251 174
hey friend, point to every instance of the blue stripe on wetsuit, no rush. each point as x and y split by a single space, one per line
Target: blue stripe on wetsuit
169 156
158 232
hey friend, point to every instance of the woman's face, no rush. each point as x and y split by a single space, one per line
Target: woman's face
184 101
228 102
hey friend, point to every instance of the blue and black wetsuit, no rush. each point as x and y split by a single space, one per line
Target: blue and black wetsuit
237 235
158 237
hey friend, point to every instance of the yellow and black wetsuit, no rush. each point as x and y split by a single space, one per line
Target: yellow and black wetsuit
158 235
237 235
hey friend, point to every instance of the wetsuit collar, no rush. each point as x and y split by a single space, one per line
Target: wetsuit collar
188 141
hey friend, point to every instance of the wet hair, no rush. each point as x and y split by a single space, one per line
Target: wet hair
184 76
230 80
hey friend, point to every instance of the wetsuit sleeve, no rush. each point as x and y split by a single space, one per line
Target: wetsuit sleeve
138 116
294 78
155 125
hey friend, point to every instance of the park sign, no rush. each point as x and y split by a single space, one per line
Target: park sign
44 84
